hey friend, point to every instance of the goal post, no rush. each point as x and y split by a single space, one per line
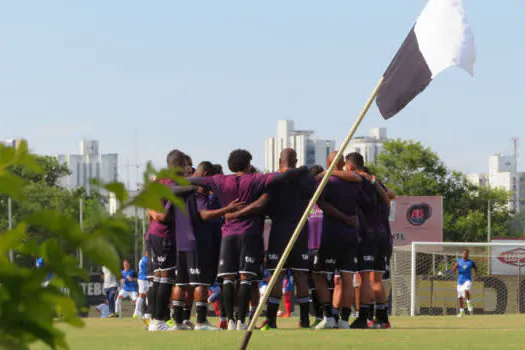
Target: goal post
423 283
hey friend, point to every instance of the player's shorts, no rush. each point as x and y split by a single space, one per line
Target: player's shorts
161 253
143 286
192 271
298 258
383 253
337 255
123 294
241 254
462 288
369 259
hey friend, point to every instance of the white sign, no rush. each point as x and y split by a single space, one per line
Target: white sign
508 260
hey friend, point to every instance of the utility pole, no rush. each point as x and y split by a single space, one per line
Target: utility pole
516 184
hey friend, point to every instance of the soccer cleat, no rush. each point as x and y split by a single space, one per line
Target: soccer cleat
305 326
359 324
170 322
470 308
386 325
223 324
206 327
136 317
231 325
317 321
371 323
188 323
375 325
241 326
181 327
111 316
266 326
342 325
326 323
159 326
461 313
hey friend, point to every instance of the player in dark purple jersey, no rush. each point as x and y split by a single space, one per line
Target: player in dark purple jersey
242 245
338 250
382 261
371 232
285 203
196 269
160 243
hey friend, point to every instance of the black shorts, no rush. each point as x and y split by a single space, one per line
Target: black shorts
298 258
162 254
337 256
149 268
193 271
374 252
241 254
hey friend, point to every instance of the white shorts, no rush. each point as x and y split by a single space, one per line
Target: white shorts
128 295
143 286
462 288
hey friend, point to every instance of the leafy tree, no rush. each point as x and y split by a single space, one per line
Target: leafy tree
411 169
27 308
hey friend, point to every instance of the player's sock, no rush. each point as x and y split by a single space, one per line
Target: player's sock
252 311
327 311
335 312
187 313
304 309
382 313
117 305
318 308
152 298
202 311
371 311
223 309
138 306
163 295
178 311
364 311
228 293
271 311
345 313
245 294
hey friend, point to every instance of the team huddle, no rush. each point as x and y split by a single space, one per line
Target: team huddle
218 239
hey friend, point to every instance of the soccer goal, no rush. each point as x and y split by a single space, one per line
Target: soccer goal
423 283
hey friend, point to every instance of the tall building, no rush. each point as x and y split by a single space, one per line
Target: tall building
87 165
15 143
310 150
503 173
368 146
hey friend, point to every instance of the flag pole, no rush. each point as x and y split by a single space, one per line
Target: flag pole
306 213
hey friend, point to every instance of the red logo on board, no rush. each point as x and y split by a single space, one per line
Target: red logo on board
514 257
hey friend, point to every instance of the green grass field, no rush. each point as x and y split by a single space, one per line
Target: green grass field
425 333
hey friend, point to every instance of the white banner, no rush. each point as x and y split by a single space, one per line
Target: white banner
508 260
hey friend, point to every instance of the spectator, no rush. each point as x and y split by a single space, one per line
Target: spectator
110 289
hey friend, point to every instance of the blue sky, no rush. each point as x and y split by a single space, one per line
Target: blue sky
211 76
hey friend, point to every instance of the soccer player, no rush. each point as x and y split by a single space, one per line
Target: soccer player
371 231
143 285
383 255
338 250
242 245
110 289
285 203
129 283
39 264
464 267
160 242
196 263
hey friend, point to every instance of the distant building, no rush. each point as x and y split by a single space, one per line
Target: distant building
310 150
15 143
368 146
87 165
503 174
131 211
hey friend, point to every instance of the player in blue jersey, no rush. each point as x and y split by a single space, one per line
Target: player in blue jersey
39 264
129 289
464 267
143 285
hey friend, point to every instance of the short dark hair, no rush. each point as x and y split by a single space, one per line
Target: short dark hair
253 169
356 159
239 160
176 159
466 250
217 169
188 159
207 167
366 170
316 170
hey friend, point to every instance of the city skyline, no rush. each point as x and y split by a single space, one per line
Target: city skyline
188 64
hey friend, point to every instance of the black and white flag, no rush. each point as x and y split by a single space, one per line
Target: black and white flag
441 38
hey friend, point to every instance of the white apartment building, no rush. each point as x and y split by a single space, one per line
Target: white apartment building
310 150
87 165
11 143
368 146
503 173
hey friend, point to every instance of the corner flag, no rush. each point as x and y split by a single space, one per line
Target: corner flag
441 38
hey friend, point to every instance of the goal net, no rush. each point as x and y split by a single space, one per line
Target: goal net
422 281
